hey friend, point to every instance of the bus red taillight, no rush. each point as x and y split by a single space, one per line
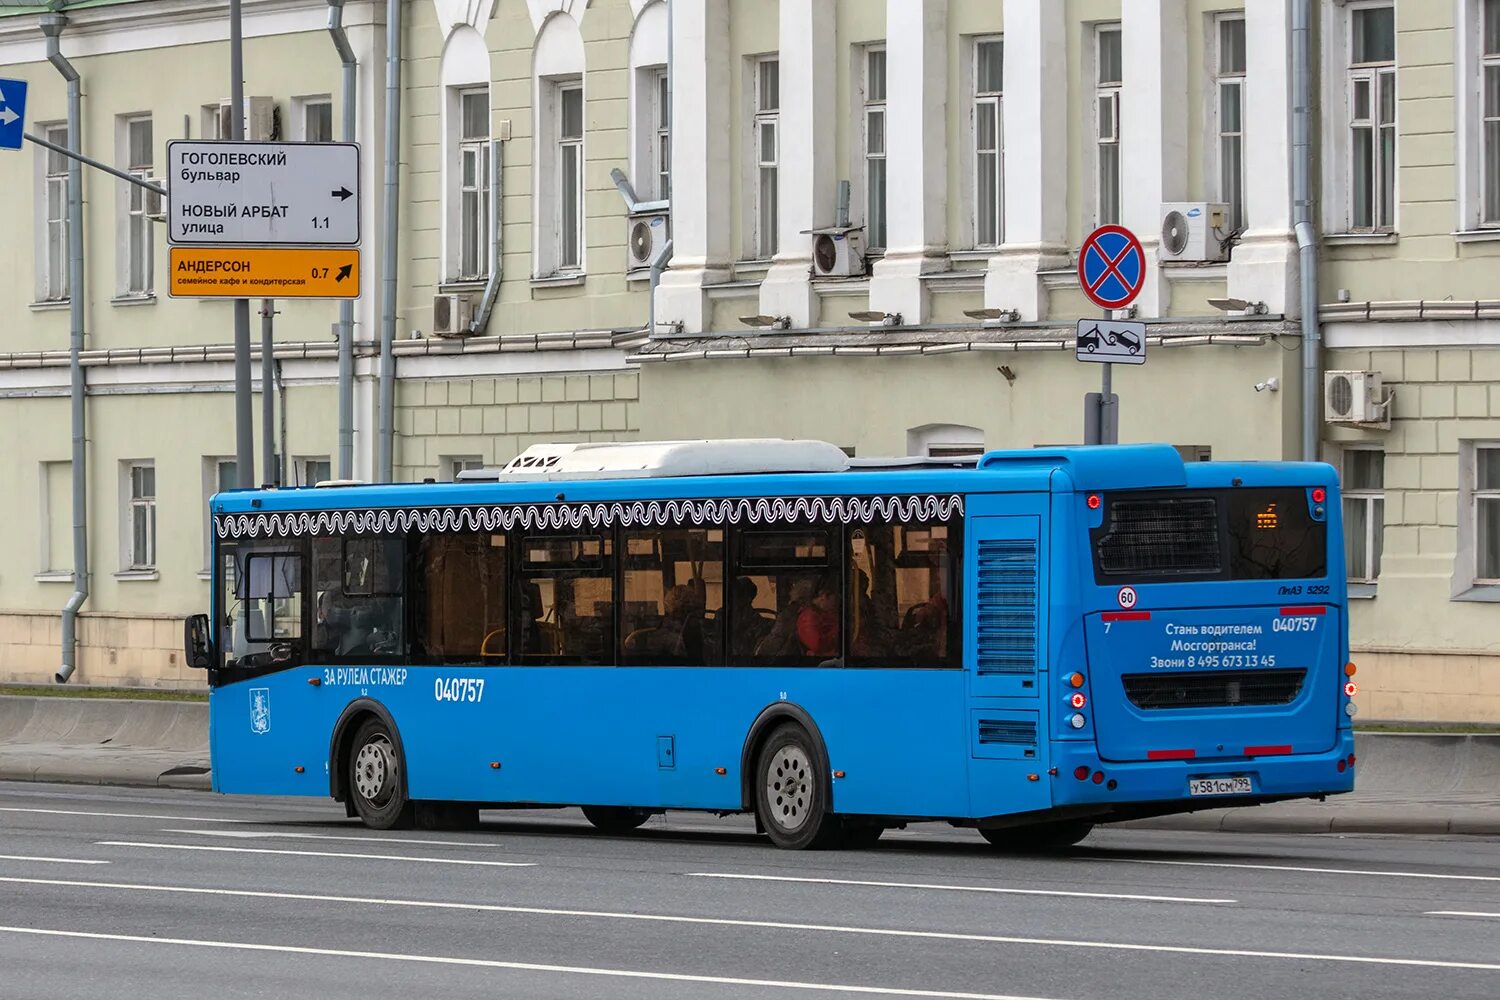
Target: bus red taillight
1098 777
1351 689
1081 772
1319 494
1078 700
1095 501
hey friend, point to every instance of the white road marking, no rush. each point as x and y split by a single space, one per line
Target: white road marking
1295 868
1460 913
120 815
55 861
315 854
485 963
763 925
965 888
265 834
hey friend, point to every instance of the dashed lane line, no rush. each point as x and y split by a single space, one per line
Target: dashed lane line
1002 890
315 854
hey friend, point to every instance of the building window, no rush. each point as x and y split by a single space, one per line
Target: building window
474 184
141 516
661 151
1372 118
989 143
55 284
139 159
875 201
1490 114
945 441
1364 512
312 471
1108 63
767 152
452 465
1486 507
570 176
1230 105
56 518
316 119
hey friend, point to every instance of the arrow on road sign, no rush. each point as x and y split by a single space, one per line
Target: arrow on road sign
344 272
7 116
342 194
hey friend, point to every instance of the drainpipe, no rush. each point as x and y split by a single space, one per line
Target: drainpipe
52 26
492 287
392 221
1307 234
267 390
345 327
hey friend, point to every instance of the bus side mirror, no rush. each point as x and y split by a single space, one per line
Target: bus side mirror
196 648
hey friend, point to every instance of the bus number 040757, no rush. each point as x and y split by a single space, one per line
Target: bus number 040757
459 689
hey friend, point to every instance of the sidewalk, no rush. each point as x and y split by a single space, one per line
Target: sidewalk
1406 784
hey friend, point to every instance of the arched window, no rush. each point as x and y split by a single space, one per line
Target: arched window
465 80
650 107
558 96
945 441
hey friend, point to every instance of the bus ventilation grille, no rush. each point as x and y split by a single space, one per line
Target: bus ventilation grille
1165 536
1007 606
1007 731
1210 690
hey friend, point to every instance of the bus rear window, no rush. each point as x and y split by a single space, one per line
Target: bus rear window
1238 534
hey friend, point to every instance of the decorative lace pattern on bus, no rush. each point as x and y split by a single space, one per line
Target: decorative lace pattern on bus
574 516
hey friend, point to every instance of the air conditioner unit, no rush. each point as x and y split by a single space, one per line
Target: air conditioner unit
1356 398
262 122
1194 232
646 233
838 252
452 315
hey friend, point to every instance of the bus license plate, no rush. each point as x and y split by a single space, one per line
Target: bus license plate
1219 786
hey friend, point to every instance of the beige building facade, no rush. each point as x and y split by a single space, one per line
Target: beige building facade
980 141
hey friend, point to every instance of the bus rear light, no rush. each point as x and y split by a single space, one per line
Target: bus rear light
1351 709
721 771
1349 669
1111 784
1187 754
1078 721
1273 750
1343 765
1351 689
1351 760
1303 611
1319 494
1081 772
1076 679
1098 777
1095 501
1078 700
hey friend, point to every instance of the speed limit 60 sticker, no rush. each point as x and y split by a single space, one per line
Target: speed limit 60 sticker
1126 597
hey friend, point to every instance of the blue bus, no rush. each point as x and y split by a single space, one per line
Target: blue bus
1028 645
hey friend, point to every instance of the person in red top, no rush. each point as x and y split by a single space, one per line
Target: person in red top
818 622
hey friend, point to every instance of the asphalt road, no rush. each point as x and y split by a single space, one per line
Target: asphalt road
131 893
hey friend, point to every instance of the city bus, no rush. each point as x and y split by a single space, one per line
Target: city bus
1030 644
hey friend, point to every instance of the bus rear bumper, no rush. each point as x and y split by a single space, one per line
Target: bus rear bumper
1082 778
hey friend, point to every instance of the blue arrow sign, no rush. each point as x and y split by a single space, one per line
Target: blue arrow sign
12 113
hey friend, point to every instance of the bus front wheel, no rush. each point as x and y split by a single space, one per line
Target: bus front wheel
792 792
377 779
1039 837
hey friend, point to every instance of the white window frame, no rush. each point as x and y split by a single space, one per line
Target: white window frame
302 466
1373 500
131 560
1339 124
449 466
53 561
1106 95
1227 82
212 480
136 246
993 102
471 229
945 441
52 182
303 108
661 133
874 142
764 172
570 187
1474 497
1478 159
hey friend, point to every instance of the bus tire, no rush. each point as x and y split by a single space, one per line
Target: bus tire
791 792
1039 837
615 819
377 779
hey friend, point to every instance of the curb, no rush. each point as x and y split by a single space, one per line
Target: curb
1476 822
108 774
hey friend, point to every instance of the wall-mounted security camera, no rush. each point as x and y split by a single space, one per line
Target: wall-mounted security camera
1272 384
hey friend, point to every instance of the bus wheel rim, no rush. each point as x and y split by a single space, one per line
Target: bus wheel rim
789 788
374 771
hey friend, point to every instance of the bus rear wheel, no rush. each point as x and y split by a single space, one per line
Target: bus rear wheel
377 779
615 819
792 792
1040 836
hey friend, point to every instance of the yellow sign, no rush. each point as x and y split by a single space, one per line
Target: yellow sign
264 273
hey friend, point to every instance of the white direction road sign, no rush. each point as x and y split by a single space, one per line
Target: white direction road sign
251 194
1108 341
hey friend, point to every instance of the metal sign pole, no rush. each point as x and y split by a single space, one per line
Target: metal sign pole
1109 417
244 434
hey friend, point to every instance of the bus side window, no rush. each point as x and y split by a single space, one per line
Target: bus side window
359 583
788 598
565 602
261 621
673 596
900 607
459 594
